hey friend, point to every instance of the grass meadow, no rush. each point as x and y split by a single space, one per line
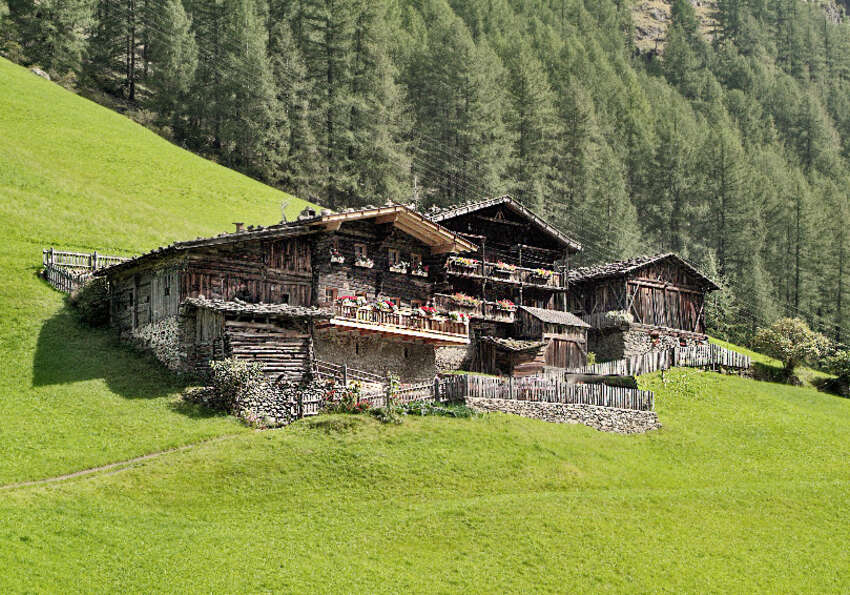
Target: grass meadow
744 489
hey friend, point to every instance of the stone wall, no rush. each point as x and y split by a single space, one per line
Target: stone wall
448 359
160 338
411 362
605 419
633 340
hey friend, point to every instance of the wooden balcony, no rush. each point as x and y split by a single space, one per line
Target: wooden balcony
491 311
516 276
403 325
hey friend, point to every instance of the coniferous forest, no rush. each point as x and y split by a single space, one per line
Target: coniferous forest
729 145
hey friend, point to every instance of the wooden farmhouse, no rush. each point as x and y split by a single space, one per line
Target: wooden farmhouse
641 304
484 286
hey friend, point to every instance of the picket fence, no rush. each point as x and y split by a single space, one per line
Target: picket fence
698 356
542 388
67 271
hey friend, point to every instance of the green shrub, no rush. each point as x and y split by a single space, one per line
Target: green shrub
791 341
91 301
235 382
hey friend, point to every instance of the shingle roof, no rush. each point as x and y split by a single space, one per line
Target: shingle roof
470 207
283 311
514 344
623 267
408 220
555 317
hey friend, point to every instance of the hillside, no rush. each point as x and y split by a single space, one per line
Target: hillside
77 176
743 490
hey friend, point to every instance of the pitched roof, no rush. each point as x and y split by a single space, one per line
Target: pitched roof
555 317
238 307
517 345
282 230
471 207
406 219
403 217
623 267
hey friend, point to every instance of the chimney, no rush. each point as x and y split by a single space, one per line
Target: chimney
238 226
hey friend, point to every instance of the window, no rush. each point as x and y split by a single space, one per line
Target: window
415 261
360 252
393 256
406 353
284 298
330 294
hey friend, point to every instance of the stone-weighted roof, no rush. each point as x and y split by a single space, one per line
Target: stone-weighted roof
238 307
624 267
555 317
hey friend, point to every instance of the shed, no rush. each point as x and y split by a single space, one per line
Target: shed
279 337
511 357
564 334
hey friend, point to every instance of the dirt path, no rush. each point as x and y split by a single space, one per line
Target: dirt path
113 467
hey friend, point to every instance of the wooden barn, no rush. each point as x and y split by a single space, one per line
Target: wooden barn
662 297
663 290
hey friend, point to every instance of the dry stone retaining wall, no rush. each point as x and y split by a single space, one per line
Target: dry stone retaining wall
605 419
162 339
631 341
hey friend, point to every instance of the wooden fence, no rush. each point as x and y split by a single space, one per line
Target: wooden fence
698 356
543 388
344 374
66 271
66 280
78 260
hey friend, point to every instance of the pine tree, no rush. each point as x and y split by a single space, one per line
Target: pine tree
532 124
52 33
174 60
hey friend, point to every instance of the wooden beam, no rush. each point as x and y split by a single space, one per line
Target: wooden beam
333 225
389 218
443 248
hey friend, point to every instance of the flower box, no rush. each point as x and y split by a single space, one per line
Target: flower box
503 268
400 268
420 272
464 263
542 274
465 301
366 263
337 259
458 317
506 306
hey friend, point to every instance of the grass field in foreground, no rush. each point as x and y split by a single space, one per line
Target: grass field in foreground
75 175
744 489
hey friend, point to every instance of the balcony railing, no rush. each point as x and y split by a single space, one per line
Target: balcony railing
402 322
516 276
492 311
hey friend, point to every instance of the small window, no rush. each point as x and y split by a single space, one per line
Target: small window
284 298
131 300
357 348
360 251
406 353
393 256
166 290
415 260
330 294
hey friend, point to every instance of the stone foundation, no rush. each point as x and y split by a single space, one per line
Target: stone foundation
160 338
604 419
633 340
411 362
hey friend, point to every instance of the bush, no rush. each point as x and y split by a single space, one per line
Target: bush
838 363
91 301
235 382
791 341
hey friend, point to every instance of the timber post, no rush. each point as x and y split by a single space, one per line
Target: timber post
345 375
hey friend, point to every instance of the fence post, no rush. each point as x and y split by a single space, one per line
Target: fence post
94 260
511 387
345 375
436 389
300 398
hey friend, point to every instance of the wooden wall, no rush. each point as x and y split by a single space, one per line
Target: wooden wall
272 271
662 294
141 297
347 279
279 348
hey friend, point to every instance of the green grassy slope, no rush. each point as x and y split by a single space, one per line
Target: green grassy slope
75 175
745 489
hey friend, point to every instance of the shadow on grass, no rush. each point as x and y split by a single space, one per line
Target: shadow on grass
69 351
